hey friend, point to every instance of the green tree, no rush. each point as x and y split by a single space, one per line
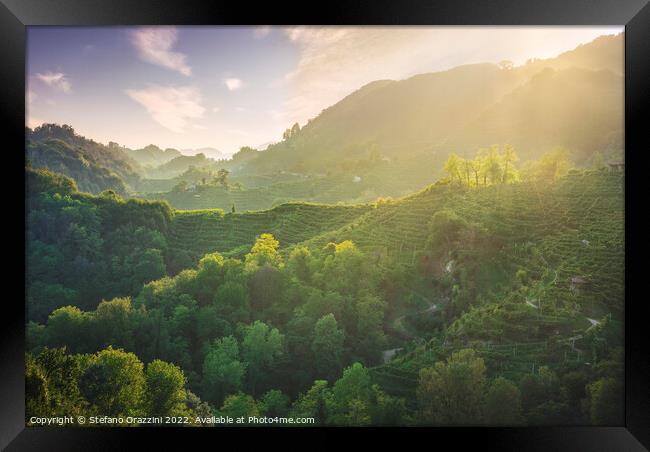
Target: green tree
370 329
445 229
114 383
387 410
165 394
475 166
51 384
222 177
223 372
197 407
37 396
319 304
550 167
607 402
300 264
538 388
327 347
347 271
503 403
209 276
266 288
492 163
313 403
451 392
238 405
69 327
509 157
261 346
264 252
274 403
150 266
112 323
350 401
232 303
453 167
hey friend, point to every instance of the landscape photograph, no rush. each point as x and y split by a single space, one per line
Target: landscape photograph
324 226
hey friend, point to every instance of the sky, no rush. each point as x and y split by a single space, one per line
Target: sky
194 87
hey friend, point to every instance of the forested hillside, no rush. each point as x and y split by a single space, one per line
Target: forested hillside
446 112
83 248
94 166
521 282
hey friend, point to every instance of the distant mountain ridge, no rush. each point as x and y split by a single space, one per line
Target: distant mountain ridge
151 155
465 107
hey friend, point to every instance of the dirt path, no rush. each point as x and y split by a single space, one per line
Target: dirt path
396 327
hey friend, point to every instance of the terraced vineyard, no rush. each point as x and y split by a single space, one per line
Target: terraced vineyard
569 239
204 231
353 186
556 232
400 376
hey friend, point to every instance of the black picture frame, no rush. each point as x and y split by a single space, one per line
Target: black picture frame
15 15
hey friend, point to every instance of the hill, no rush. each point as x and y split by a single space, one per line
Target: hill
59 156
151 155
360 183
195 233
178 165
212 153
574 227
446 111
578 109
116 244
94 166
527 274
566 230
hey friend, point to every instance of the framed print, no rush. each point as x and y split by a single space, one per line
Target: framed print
415 219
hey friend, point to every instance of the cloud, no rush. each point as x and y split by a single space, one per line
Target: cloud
56 80
262 31
154 46
173 107
233 84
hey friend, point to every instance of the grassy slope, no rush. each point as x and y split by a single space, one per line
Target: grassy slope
556 218
552 219
205 231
